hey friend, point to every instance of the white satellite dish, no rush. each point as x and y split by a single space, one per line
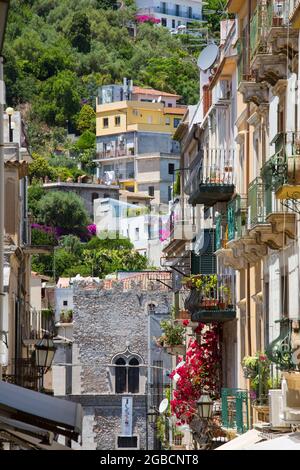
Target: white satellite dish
159 99
208 57
163 405
180 364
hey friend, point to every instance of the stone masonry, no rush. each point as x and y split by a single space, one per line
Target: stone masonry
111 318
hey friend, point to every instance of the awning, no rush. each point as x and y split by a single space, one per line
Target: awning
27 436
41 410
242 442
288 442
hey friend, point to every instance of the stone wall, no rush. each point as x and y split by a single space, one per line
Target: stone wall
112 318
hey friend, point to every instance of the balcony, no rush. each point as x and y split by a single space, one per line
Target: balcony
211 298
182 226
284 166
272 42
211 177
271 225
253 92
235 409
237 247
36 324
22 372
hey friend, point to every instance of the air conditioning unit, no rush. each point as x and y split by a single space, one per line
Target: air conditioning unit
275 404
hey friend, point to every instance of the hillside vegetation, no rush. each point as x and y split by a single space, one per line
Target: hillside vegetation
58 52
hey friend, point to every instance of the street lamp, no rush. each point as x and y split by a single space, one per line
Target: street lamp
205 406
10 111
44 353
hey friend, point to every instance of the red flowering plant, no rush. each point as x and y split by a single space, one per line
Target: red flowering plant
201 369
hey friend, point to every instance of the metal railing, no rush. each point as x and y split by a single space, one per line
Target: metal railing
22 372
211 292
264 18
211 167
259 201
37 323
284 166
182 224
235 409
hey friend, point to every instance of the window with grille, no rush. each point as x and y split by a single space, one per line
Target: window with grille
127 375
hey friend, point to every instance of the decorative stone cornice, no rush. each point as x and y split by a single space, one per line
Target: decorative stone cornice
256 93
269 68
278 227
229 260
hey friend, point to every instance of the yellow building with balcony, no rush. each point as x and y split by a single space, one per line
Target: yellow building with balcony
135 147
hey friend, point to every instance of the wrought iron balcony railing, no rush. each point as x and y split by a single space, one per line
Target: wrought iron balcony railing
235 224
211 177
259 201
264 18
22 372
283 168
235 409
212 298
36 323
182 224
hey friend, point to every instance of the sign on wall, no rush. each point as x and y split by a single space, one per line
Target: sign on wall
126 416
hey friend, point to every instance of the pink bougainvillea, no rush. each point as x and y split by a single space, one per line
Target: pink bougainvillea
92 229
201 369
147 19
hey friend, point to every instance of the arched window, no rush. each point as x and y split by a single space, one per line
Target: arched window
127 375
133 376
121 374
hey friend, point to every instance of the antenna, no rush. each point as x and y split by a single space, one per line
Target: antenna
208 57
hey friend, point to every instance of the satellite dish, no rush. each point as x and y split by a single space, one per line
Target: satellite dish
180 364
208 57
159 99
163 405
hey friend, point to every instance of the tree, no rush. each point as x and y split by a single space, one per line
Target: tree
109 240
86 141
71 244
59 98
65 210
86 119
80 32
35 194
40 168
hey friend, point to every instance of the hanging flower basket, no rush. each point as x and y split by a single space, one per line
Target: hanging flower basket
249 373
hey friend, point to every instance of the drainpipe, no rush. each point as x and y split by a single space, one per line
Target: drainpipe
1 208
248 300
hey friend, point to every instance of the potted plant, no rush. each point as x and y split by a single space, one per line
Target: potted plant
250 366
174 335
66 316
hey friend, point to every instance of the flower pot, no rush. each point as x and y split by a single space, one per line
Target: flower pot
292 380
183 315
178 350
260 414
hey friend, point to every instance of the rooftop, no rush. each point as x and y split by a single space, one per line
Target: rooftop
152 92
